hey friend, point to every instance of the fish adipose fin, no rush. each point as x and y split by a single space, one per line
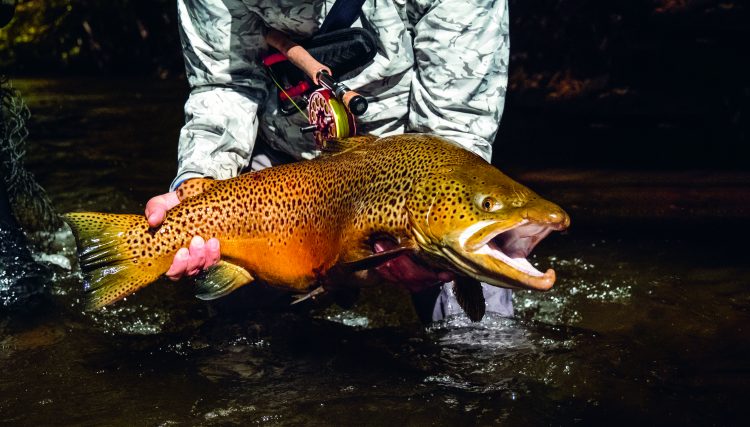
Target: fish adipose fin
470 297
110 256
221 279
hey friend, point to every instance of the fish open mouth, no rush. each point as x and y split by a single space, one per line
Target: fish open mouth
498 255
512 247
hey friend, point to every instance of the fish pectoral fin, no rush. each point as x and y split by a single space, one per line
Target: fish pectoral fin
470 297
374 260
221 279
312 294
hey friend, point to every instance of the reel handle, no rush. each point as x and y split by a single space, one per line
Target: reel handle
353 101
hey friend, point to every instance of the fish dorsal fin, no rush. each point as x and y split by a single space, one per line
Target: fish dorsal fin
221 279
336 146
470 297
374 260
193 187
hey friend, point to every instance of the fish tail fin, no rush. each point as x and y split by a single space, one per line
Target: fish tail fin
115 255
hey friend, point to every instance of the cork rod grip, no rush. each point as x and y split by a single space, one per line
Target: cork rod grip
296 54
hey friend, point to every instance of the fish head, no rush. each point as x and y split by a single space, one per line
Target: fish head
484 224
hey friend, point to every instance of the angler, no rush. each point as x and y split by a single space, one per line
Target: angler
422 66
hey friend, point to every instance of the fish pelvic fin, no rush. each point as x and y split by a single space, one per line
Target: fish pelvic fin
221 279
336 146
470 297
193 187
110 253
312 294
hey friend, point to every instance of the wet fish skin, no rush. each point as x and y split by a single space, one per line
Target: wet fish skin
291 225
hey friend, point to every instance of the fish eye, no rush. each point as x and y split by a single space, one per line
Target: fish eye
488 204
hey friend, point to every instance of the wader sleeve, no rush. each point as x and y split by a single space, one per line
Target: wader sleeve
461 53
221 43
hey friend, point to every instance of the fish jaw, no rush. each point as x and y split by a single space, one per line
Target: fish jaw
496 251
499 258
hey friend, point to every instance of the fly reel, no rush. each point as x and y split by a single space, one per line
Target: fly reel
328 117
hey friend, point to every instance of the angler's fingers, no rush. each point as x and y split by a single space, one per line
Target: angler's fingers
213 252
155 212
197 258
446 276
411 273
323 68
156 218
411 276
403 271
157 207
387 270
190 261
154 204
179 265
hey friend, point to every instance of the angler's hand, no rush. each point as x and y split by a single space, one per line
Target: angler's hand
406 273
187 261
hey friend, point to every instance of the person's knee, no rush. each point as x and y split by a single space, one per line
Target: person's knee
499 300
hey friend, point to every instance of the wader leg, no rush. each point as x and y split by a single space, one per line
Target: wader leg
438 303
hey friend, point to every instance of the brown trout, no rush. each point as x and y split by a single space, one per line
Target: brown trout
293 226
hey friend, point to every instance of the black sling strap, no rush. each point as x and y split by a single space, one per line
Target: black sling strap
343 13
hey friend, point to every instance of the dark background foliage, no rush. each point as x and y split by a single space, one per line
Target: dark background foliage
636 83
631 83
124 37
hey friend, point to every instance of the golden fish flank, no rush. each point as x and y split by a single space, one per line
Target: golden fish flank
290 225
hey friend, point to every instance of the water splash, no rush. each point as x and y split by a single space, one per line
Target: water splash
579 280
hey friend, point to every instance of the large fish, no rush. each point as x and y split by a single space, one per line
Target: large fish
295 226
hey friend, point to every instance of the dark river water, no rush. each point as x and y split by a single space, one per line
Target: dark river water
649 321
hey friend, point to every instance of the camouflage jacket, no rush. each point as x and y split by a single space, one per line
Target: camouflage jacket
441 67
